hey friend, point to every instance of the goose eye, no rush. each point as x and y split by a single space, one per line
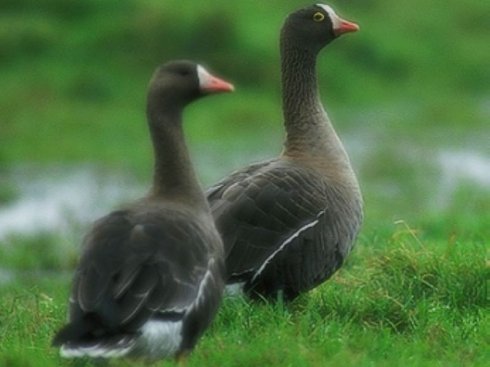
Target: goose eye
318 17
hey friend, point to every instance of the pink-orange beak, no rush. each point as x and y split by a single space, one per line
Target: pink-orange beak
208 83
345 27
216 85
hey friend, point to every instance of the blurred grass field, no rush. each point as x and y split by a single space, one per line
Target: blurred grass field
409 95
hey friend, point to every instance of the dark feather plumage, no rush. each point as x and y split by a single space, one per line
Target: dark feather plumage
136 267
287 224
150 277
268 205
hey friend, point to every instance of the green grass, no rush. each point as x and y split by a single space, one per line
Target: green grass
399 300
412 83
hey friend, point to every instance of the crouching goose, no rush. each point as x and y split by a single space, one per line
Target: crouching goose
287 224
151 275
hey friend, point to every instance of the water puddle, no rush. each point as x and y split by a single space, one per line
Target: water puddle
461 168
61 199
6 276
465 166
56 199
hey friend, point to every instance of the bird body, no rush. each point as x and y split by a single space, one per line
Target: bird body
150 277
133 289
289 223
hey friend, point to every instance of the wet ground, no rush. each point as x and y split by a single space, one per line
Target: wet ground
61 198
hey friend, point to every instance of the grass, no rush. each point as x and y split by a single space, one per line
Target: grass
398 301
409 85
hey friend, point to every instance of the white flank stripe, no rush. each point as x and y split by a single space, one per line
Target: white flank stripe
160 339
200 293
284 244
95 351
163 338
235 289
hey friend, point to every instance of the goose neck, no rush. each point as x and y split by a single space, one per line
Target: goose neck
300 96
174 177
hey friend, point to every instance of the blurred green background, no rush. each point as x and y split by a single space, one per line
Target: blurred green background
409 95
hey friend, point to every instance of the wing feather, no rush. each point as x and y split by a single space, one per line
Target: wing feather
281 223
154 268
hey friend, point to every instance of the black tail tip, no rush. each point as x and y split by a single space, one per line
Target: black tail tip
69 333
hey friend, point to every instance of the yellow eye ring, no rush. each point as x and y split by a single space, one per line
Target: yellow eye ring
318 17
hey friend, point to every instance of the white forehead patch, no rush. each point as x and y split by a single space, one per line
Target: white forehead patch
336 21
203 75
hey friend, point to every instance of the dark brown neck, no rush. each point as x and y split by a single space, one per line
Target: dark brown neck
299 85
174 176
309 131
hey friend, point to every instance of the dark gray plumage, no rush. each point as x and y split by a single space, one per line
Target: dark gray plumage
288 224
150 278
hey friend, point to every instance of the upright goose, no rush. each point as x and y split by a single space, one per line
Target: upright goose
151 275
287 224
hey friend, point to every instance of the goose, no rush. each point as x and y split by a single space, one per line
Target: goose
289 223
151 275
